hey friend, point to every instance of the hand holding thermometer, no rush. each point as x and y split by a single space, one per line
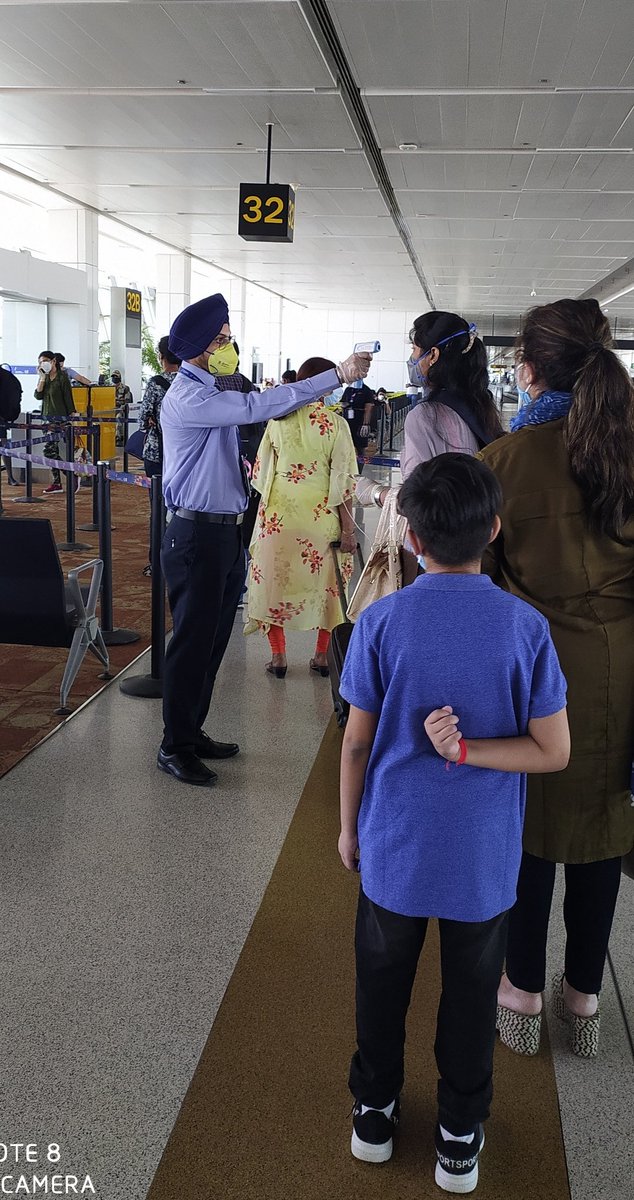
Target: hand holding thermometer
365 348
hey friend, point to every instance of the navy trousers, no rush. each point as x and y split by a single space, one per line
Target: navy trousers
203 567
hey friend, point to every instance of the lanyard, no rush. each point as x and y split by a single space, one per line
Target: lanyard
243 472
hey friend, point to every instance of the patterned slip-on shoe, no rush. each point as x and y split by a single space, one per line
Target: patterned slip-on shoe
584 1030
519 1031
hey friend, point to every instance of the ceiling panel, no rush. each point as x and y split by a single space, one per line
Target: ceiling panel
522 189
174 122
114 45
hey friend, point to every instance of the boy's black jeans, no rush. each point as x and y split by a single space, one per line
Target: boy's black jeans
387 950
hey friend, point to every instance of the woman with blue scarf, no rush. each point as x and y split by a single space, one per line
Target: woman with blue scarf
567 547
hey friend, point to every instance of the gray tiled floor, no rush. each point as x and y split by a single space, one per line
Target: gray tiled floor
126 899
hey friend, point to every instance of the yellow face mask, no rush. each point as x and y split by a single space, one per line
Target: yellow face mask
223 361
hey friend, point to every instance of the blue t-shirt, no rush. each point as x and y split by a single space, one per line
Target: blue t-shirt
435 842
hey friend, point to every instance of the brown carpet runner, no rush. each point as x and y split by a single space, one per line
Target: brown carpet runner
266 1114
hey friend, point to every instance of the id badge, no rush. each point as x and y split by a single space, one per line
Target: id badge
350 414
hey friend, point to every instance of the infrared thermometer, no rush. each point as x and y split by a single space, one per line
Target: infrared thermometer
365 348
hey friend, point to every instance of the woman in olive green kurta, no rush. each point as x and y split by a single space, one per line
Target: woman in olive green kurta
567 547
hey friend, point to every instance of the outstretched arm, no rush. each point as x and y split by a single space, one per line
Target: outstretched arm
545 748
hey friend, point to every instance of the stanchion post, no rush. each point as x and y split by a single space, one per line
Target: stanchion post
157 529
70 544
111 636
381 428
28 497
126 434
95 452
151 686
105 546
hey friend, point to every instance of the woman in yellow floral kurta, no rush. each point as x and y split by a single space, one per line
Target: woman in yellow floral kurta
305 474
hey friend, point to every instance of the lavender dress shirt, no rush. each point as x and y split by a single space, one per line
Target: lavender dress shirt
201 444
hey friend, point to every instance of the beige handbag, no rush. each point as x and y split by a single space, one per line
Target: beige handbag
390 566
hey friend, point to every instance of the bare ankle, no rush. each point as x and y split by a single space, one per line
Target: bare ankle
528 1003
581 1004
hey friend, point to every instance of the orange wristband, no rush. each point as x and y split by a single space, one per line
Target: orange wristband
462 754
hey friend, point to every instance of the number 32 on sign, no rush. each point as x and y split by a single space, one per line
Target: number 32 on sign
267 212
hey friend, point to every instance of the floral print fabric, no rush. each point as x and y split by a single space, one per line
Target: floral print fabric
305 468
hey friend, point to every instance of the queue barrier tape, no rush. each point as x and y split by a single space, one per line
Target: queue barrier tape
378 460
80 468
5 447
128 477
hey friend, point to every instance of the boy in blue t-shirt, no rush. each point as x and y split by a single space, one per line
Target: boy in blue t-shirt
441 838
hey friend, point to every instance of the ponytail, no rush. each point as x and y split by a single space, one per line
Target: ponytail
569 347
599 438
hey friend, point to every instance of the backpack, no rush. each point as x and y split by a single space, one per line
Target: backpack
10 396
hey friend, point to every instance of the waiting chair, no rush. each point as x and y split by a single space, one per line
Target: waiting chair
38 607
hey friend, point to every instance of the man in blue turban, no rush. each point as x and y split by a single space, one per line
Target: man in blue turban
206 490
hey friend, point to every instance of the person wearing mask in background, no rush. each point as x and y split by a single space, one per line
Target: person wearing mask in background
304 472
382 400
74 376
207 493
567 546
55 394
150 417
122 396
357 408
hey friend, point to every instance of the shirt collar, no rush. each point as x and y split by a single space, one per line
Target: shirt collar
204 376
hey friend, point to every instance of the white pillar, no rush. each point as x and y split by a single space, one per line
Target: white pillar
237 301
74 233
173 288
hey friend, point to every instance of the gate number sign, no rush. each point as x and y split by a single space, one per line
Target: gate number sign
133 318
267 212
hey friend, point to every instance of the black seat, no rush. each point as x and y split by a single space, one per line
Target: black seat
38 607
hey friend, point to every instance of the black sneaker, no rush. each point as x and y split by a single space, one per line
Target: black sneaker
372 1133
457 1165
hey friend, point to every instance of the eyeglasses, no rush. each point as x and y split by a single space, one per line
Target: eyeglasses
222 340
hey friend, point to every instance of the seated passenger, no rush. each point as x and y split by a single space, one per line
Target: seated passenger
305 473
450 668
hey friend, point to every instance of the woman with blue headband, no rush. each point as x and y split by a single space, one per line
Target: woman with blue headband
448 363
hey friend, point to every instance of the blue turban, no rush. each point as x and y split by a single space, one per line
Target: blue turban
197 326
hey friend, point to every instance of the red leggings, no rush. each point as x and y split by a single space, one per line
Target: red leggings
277 640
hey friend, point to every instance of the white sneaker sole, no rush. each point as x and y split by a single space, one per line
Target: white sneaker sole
368 1152
458 1184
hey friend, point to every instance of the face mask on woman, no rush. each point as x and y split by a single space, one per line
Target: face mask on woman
415 375
523 396
46 367
223 361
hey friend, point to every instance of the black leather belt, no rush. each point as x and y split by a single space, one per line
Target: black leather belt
205 518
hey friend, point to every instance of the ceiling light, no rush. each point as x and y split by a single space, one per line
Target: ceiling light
408 146
533 292
617 295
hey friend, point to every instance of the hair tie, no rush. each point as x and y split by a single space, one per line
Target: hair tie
597 346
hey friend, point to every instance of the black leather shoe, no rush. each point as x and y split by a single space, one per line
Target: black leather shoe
186 767
205 747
